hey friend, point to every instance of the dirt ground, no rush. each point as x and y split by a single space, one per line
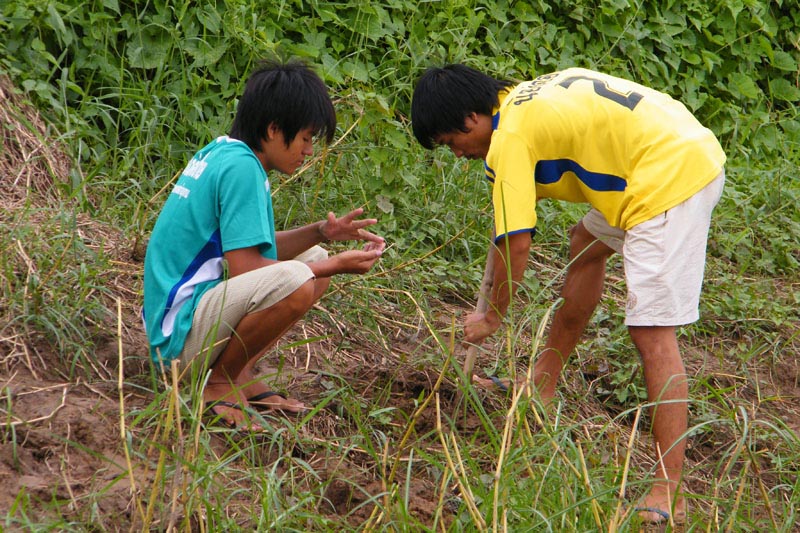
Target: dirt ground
60 438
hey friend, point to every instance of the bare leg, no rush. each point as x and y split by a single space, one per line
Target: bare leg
252 386
665 378
231 376
581 294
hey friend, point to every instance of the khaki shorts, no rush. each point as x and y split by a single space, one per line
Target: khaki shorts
664 258
221 309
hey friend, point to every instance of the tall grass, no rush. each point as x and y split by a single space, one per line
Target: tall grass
135 88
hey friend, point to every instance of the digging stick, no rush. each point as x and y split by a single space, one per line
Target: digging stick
480 307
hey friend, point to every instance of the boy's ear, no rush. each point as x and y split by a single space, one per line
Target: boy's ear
470 121
272 130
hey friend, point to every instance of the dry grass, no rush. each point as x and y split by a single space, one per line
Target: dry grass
31 161
32 164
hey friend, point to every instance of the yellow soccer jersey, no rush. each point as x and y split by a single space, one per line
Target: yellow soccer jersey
582 136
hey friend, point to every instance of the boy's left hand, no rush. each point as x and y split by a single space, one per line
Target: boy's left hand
478 326
348 228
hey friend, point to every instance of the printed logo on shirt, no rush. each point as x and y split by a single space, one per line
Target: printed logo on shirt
195 168
181 191
529 89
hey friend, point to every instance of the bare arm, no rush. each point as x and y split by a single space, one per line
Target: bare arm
293 242
348 262
511 257
513 250
244 260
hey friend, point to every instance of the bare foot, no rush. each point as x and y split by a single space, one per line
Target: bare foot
492 384
276 401
229 405
545 394
660 506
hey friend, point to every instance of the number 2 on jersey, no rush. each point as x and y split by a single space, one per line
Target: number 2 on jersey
601 88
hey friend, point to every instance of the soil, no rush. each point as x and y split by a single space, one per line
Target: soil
60 436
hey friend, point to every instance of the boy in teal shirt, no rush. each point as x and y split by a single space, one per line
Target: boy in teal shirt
221 285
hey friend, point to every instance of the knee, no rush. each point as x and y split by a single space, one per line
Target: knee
301 300
584 247
320 286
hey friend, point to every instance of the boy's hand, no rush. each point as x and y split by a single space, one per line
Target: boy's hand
348 228
478 326
359 261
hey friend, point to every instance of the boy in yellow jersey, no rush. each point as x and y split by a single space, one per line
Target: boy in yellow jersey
651 174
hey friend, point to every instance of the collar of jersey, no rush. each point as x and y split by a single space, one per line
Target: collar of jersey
501 96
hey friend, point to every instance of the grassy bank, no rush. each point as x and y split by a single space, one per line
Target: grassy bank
112 99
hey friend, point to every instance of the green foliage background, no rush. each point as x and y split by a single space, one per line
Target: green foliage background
126 79
133 88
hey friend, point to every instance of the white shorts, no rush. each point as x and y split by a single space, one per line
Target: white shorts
664 258
221 309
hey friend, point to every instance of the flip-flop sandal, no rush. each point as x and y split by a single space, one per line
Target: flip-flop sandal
663 516
258 403
500 385
495 382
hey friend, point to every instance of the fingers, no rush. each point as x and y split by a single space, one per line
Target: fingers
360 261
354 213
379 246
364 222
477 328
349 217
348 228
365 264
365 235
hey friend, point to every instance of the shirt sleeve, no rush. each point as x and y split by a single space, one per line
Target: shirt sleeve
244 214
512 163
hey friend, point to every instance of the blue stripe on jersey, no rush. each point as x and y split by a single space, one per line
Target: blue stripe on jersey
551 171
499 238
211 250
490 174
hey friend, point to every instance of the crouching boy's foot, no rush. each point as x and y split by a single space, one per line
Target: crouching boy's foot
492 383
275 401
227 407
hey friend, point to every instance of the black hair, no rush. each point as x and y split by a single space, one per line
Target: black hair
289 94
444 96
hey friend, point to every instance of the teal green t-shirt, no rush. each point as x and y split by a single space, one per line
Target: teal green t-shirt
221 202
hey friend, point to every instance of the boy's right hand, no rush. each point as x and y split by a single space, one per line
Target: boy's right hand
359 261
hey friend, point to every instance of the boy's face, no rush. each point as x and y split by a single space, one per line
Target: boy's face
473 143
275 155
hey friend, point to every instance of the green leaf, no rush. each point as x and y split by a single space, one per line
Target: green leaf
781 89
356 70
745 85
205 54
113 5
210 19
784 61
304 50
692 58
150 49
57 23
